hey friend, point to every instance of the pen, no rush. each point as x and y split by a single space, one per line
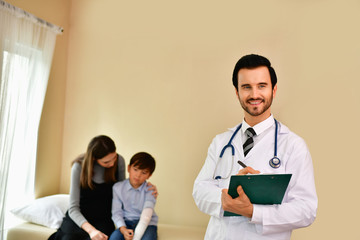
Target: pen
242 164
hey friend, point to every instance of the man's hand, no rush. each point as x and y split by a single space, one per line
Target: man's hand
240 205
247 170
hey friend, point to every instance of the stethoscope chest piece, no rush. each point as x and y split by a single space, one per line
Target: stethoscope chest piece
275 162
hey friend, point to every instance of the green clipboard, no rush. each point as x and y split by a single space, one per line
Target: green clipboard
260 188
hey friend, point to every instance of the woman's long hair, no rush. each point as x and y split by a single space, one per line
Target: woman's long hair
99 147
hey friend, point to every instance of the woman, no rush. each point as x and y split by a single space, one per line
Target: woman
92 177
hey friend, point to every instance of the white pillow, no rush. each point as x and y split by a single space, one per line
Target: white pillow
47 211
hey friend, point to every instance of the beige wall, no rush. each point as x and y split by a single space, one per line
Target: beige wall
156 77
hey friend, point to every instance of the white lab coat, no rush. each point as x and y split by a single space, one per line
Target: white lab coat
299 205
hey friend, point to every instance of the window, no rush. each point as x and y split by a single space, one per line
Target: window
26 48
20 184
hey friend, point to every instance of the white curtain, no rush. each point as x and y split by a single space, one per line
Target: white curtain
26 48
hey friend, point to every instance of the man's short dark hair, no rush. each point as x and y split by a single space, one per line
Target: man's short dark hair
252 61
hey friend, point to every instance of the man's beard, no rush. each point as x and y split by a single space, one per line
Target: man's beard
255 111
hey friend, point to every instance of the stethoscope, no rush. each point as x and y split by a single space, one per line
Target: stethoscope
274 162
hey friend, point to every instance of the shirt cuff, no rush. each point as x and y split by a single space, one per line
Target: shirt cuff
120 224
257 217
221 212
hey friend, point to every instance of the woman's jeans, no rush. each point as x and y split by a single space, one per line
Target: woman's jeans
149 234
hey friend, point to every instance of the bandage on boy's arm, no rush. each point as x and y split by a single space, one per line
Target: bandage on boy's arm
144 221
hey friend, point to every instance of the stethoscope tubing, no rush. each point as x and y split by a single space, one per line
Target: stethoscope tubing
276 135
274 162
229 143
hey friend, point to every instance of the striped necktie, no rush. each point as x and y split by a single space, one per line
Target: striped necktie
248 145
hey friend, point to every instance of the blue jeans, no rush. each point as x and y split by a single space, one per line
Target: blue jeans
149 234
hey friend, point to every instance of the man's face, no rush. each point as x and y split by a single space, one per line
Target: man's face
255 92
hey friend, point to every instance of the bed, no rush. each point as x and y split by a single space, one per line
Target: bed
44 215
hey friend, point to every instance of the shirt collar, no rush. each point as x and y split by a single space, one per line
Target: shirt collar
260 127
129 187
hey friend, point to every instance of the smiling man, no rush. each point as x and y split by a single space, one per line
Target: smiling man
255 93
253 143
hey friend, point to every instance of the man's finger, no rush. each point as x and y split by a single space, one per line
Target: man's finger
247 170
240 190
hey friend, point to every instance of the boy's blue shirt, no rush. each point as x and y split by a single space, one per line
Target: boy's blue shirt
128 203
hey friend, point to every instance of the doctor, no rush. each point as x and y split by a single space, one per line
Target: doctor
272 149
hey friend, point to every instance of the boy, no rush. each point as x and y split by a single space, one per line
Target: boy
132 204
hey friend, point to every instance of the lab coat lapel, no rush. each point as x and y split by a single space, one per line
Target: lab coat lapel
237 143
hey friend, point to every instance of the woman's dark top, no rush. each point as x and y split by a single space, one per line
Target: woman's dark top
95 207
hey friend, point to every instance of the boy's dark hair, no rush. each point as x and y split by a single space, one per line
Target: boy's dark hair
250 62
143 160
